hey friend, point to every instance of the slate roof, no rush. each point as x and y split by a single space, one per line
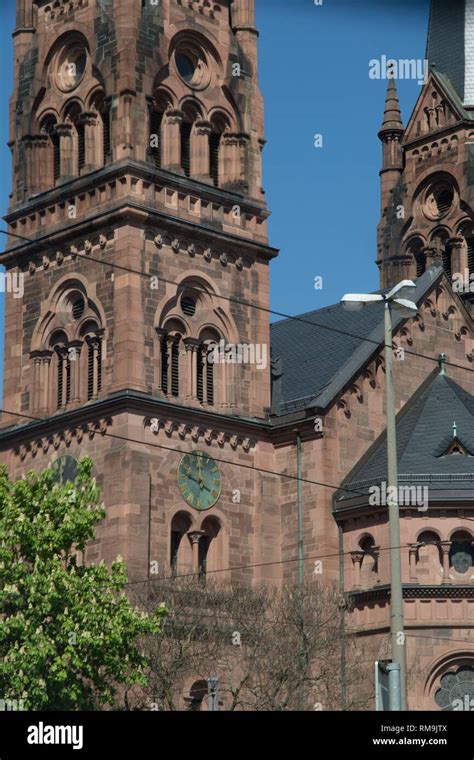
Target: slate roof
318 363
424 435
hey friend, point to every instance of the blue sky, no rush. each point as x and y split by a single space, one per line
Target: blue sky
314 74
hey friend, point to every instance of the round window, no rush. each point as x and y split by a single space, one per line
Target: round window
192 67
456 690
186 67
71 67
439 200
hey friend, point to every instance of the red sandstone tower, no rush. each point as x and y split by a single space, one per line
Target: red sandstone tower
136 137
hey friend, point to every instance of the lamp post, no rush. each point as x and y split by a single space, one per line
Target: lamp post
394 299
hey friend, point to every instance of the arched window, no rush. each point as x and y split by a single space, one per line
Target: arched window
197 695
180 550
205 375
210 550
461 554
170 361
415 249
369 566
164 363
48 127
206 367
429 560
191 113
94 367
78 157
63 369
175 366
219 124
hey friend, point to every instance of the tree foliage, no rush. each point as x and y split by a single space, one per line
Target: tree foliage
68 633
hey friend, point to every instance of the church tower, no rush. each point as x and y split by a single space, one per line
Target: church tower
138 228
426 177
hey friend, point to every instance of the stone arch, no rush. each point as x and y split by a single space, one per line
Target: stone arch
68 346
182 521
52 315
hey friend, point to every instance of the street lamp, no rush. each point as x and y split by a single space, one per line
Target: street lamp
398 299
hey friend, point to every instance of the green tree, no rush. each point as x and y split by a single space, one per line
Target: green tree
69 636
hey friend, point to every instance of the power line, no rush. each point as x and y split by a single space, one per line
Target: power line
248 304
193 453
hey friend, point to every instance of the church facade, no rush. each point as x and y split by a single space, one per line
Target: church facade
225 445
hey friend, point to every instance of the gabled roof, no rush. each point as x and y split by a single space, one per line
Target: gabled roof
318 363
424 429
444 86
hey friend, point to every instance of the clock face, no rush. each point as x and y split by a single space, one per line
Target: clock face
199 480
64 469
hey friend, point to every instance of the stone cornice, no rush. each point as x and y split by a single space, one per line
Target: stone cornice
126 210
86 182
411 591
237 431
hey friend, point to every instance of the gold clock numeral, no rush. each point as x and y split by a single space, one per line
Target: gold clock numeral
215 494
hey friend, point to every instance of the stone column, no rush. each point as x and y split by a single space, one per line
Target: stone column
231 163
44 179
458 260
412 553
171 147
192 347
160 333
445 547
195 537
76 345
45 405
200 156
36 379
66 149
92 143
357 559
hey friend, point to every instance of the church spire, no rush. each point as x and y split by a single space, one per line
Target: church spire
392 117
450 33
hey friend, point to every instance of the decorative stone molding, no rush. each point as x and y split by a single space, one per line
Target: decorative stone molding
162 240
197 433
66 437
